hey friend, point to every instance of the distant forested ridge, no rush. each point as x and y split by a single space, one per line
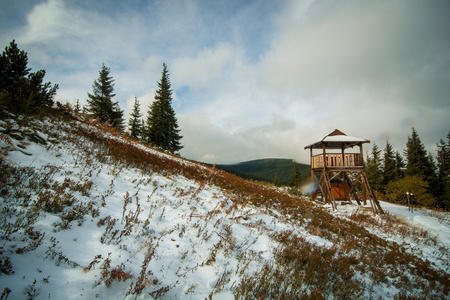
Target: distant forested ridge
268 169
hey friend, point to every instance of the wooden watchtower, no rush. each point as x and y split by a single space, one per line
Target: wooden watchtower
340 175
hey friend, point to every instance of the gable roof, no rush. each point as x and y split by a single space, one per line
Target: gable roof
337 140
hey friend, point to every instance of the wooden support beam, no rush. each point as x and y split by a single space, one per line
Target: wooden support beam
314 177
329 197
337 174
373 199
352 185
320 183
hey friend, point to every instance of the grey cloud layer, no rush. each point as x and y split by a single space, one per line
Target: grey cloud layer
255 79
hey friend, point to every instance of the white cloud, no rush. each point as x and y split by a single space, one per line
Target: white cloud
207 67
206 142
55 22
44 22
382 46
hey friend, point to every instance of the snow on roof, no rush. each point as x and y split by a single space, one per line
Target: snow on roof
337 139
342 138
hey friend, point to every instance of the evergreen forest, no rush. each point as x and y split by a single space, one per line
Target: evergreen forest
414 175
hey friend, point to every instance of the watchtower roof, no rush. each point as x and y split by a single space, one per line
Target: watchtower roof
337 140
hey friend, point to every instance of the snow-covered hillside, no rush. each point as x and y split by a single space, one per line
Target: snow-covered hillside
87 213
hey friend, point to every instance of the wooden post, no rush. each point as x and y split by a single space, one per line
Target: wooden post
361 153
324 156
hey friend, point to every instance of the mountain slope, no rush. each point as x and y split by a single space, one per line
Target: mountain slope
88 213
267 169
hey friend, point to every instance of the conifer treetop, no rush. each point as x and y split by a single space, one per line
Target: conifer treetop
100 102
161 128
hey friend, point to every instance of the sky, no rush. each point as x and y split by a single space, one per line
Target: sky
253 78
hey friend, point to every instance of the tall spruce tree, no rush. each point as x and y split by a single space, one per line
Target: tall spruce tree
399 165
416 155
100 102
432 175
418 162
443 164
20 90
161 128
389 164
373 168
135 123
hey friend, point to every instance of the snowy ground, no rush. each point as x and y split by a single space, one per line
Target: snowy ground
190 230
434 228
128 230
435 222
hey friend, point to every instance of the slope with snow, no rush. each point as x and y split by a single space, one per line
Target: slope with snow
80 220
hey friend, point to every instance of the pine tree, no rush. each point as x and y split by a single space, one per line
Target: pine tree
418 162
416 155
100 102
443 164
20 90
389 165
135 123
13 72
373 168
116 119
399 165
40 94
431 174
161 128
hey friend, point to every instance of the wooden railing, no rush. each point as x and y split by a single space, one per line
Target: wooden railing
337 160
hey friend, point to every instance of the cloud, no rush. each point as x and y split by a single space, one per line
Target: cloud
208 142
45 20
254 79
366 65
355 44
206 68
68 29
